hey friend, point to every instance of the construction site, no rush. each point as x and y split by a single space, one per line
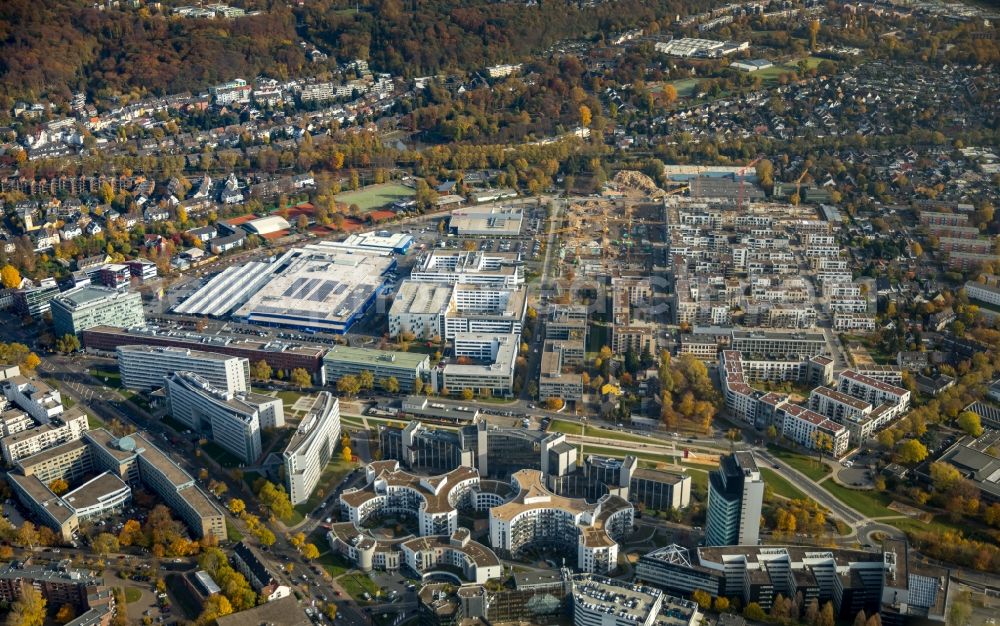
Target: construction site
621 231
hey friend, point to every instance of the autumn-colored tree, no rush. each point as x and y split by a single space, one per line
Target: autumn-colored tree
28 609
554 404
349 385
390 385
585 116
131 534
59 486
467 394
10 277
310 551
703 598
970 423
236 506
669 94
911 451
813 32
366 379
261 370
65 614
300 378
346 454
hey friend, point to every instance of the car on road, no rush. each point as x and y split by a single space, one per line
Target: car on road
776 466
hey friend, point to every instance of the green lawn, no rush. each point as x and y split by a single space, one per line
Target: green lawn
375 196
334 564
808 465
685 86
232 532
289 398
132 594
780 486
869 503
569 428
109 377
332 474
357 584
93 422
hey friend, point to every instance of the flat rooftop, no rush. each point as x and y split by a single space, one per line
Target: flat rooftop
477 552
375 358
176 352
317 288
87 295
418 298
92 492
487 220
42 495
155 457
630 602
207 342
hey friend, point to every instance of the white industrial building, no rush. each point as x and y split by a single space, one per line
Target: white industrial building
317 287
487 221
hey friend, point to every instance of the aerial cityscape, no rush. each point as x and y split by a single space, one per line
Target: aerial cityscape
497 312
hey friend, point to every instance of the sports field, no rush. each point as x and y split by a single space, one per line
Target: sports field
375 196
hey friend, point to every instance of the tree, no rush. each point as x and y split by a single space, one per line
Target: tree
554 404
585 116
970 423
911 451
29 609
703 598
366 379
349 385
10 277
754 612
26 536
813 32
300 378
346 454
67 343
261 370
669 94
721 604
331 611
59 486
65 613
275 499
860 619
203 474
236 506
310 552
467 394
826 615
31 362
104 543
216 606
131 534
390 385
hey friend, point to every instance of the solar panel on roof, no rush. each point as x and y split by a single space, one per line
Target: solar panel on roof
295 285
324 290
341 287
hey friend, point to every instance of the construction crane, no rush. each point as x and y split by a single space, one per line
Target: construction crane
743 171
798 184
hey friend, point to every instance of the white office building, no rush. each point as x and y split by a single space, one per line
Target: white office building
311 448
233 421
145 368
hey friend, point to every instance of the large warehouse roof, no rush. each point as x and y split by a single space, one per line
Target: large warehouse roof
266 225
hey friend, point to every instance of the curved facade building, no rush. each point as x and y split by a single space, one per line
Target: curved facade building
432 500
536 516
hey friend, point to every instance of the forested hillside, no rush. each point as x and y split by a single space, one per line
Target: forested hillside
53 48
